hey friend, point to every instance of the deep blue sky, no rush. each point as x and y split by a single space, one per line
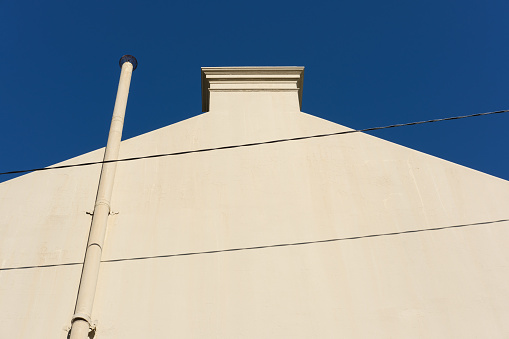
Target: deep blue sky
368 63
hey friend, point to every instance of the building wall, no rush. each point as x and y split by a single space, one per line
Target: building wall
43 225
444 283
250 242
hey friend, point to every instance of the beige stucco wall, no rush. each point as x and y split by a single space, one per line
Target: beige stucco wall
44 223
449 283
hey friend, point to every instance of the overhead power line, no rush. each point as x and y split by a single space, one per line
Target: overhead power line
253 144
376 235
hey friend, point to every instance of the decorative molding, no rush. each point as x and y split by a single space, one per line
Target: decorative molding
250 79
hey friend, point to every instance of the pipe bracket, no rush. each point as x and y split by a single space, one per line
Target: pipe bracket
92 325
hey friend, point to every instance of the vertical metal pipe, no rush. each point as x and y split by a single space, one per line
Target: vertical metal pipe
81 322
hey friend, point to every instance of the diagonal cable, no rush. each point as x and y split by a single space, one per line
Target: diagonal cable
376 235
254 143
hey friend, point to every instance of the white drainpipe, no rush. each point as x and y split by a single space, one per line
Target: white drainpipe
81 322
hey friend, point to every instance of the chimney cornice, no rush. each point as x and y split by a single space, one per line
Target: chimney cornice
250 79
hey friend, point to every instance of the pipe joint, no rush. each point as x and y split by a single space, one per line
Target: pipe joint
117 118
103 202
95 244
82 316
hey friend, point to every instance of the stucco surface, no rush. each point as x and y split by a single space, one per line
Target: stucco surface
448 283
44 222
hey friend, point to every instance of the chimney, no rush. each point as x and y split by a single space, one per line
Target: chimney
252 89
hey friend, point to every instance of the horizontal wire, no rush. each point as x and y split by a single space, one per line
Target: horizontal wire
264 246
252 144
